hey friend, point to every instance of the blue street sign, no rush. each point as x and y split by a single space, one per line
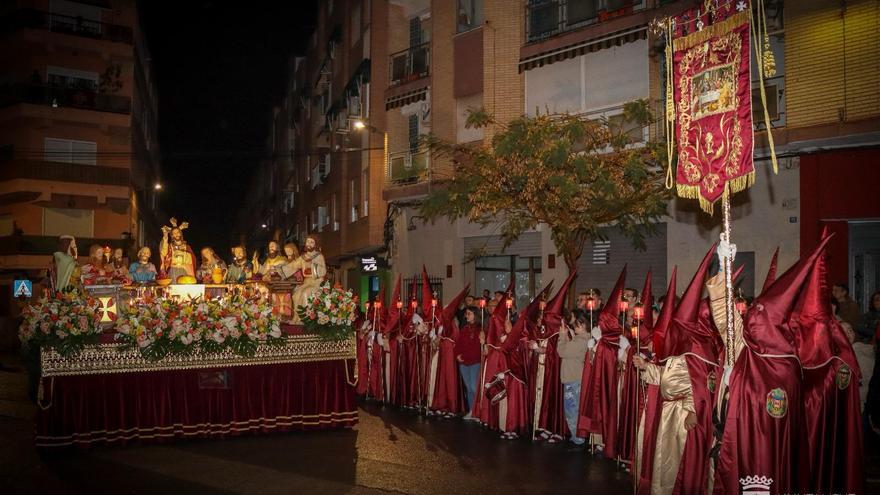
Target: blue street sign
22 288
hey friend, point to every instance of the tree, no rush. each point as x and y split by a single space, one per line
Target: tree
572 174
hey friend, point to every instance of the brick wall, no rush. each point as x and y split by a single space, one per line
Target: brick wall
833 61
503 84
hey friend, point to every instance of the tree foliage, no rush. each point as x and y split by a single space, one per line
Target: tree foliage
575 175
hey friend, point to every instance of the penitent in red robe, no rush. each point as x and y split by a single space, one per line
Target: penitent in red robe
634 390
832 447
598 413
764 425
448 391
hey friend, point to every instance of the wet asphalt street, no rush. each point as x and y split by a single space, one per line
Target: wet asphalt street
390 451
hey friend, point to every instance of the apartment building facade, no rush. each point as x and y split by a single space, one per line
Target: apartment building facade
78 130
420 65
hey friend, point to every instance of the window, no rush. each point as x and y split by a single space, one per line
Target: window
413 132
592 82
495 272
601 252
70 151
68 221
61 77
353 200
6 224
334 212
470 14
323 219
365 192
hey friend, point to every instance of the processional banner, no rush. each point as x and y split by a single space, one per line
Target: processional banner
708 66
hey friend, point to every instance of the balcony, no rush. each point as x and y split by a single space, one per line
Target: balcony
63 172
408 167
546 18
81 98
57 23
410 64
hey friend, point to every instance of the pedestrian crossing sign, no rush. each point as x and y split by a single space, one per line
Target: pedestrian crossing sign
22 288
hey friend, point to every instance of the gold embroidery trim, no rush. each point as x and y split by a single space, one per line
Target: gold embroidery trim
113 358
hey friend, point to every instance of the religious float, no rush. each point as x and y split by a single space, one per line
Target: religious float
139 358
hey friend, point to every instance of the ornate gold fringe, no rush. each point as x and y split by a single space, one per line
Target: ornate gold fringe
710 31
732 186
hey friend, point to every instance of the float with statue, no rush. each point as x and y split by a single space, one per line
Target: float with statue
189 350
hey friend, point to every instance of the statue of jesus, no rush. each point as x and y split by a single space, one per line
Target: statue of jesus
314 270
177 258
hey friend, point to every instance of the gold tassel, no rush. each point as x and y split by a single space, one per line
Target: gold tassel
756 38
670 107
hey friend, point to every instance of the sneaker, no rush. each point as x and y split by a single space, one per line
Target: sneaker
578 441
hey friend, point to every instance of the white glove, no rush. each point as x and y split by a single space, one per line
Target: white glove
596 333
726 249
591 343
622 347
371 335
726 377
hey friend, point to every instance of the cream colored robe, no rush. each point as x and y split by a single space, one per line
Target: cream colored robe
678 401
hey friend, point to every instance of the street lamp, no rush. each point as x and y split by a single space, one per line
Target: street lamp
158 186
359 124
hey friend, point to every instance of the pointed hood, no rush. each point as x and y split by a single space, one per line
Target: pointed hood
818 334
771 273
447 316
767 329
609 317
646 325
427 296
684 333
497 318
393 314
527 320
659 331
553 310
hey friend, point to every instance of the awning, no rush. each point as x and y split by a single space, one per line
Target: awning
406 98
613 39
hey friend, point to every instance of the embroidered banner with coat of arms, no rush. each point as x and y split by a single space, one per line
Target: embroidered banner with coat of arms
711 94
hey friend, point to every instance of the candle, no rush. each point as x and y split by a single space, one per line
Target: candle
591 303
623 305
543 305
377 305
399 304
638 311
414 304
433 303
482 303
509 303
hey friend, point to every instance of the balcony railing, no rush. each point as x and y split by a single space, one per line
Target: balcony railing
83 98
408 167
63 172
546 18
410 64
76 26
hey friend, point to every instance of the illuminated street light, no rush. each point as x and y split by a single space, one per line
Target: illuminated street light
158 186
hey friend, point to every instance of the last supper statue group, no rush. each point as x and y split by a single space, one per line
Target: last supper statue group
288 275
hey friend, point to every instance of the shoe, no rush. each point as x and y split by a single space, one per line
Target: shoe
578 441
468 417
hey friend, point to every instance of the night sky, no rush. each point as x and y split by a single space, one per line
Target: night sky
220 68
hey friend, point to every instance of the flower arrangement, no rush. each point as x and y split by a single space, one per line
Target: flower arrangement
161 327
65 321
329 312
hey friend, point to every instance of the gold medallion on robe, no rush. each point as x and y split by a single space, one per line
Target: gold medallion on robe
777 403
843 377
